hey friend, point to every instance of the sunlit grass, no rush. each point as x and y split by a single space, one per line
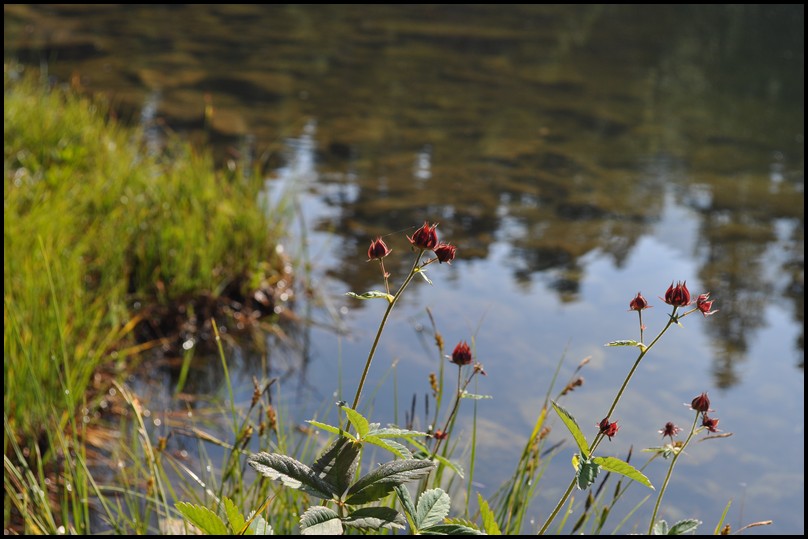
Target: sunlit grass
95 226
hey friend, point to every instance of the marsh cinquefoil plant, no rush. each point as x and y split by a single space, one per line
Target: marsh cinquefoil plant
334 476
587 466
366 502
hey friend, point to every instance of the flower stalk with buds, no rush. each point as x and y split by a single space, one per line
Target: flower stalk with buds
425 239
677 296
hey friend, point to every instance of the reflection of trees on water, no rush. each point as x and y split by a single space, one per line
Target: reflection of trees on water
745 165
794 291
733 266
555 131
588 183
744 222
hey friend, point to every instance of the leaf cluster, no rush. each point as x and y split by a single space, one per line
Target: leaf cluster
335 477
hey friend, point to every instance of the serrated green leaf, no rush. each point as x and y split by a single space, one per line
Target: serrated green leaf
450 529
587 473
489 520
338 463
234 516
615 465
406 500
660 528
203 518
371 294
358 421
472 396
331 428
400 450
462 522
391 432
433 506
320 520
291 473
381 481
574 429
258 526
375 518
684 526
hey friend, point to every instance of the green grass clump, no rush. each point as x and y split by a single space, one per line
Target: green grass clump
92 223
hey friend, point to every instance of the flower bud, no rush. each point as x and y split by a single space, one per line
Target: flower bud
670 430
704 303
425 238
608 429
378 249
679 295
461 354
638 303
701 403
445 252
710 423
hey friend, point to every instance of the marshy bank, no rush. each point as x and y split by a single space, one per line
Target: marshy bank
111 250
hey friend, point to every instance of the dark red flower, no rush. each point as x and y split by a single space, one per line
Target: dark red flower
445 252
710 423
701 403
461 354
669 430
639 303
608 429
425 238
679 295
378 249
704 303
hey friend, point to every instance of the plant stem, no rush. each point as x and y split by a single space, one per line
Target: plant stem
391 303
617 397
641 327
460 390
439 391
670 472
386 276
643 352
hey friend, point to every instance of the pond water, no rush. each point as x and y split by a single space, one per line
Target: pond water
574 154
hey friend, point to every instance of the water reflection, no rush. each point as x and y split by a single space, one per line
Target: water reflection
551 129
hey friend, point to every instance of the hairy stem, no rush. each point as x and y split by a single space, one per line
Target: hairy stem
460 390
387 312
670 472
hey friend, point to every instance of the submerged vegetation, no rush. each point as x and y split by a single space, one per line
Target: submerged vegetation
103 238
